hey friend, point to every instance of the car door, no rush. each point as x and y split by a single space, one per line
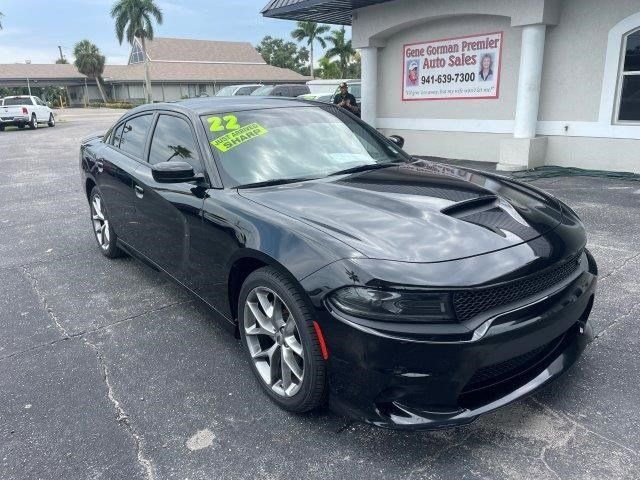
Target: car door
40 110
167 213
122 154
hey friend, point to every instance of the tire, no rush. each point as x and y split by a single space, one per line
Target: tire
52 120
301 395
102 229
33 124
1 128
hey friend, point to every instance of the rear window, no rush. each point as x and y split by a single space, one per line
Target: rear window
264 90
134 135
17 101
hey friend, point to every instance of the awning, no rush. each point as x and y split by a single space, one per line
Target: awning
337 12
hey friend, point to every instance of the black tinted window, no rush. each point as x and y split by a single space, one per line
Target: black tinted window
632 54
134 135
173 140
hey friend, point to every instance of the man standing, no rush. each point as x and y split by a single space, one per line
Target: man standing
345 100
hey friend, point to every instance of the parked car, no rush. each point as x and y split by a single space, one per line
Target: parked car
407 293
232 90
325 85
318 97
292 90
25 110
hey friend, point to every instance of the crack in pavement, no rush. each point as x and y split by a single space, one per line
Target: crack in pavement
620 267
577 424
93 330
34 285
618 320
45 262
121 415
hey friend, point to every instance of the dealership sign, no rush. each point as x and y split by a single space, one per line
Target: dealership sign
452 68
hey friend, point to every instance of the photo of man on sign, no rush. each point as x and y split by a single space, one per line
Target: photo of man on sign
412 73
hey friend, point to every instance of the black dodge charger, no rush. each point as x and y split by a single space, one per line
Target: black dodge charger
406 293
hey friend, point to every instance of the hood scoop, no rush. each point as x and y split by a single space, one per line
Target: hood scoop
469 207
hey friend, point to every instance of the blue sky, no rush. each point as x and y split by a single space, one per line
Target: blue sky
34 29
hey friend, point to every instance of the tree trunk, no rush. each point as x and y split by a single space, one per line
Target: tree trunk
104 98
147 79
311 59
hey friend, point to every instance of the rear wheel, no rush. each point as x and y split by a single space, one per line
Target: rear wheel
33 124
52 120
102 229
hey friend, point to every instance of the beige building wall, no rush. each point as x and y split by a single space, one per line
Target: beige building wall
580 133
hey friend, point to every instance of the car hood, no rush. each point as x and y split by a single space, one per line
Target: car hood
417 212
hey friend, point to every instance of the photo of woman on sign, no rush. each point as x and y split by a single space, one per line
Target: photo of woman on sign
486 65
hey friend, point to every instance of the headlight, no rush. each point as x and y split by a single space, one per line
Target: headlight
394 306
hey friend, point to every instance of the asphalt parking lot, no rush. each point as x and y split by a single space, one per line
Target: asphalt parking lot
108 370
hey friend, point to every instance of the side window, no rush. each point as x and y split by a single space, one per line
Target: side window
299 90
244 91
117 135
174 140
134 135
280 91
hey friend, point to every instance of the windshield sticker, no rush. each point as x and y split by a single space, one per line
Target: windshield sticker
238 137
231 123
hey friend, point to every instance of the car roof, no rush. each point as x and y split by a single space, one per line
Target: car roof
201 106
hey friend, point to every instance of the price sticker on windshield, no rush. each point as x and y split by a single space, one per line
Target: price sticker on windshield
239 136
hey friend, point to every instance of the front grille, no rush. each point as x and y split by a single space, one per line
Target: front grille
469 303
503 371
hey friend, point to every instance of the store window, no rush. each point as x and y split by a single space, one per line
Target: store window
629 109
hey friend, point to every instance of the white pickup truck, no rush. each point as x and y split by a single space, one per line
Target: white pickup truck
25 110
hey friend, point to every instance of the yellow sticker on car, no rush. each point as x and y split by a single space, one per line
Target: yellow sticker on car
238 137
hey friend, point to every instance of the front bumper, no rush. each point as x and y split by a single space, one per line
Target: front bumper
397 382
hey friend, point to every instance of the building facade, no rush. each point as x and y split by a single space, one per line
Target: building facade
522 83
179 68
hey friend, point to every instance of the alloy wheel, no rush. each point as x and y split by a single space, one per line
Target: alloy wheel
274 342
100 222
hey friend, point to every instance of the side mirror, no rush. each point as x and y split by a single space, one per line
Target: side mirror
173 172
398 140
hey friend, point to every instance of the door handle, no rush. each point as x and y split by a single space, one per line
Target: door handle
100 165
139 191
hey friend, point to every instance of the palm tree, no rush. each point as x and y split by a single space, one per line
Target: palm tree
90 62
341 49
310 31
134 19
1 15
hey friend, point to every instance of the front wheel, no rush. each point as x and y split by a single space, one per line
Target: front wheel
278 333
33 124
102 229
1 127
52 120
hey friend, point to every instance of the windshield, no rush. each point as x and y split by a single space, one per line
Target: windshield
264 90
17 101
294 142
226 91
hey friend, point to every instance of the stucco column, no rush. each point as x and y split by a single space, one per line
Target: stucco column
369 77
525 150
528 102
